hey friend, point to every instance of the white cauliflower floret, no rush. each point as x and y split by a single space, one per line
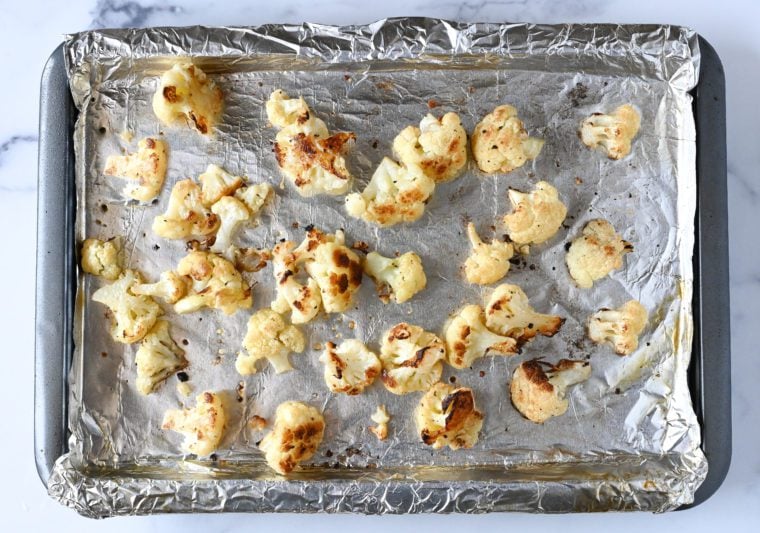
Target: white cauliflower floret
596 253
350 367
448 416
509 313
536 215
145 169
500 142
296 435
132 316
185 214
203 426
302 301
254 196
468 339
538 388
215 283
185 93
395 194
170 287
102 258
412 359
613 132
269 337
157 358
381 419
438 147
620 328
306 152
488 263
232 213
397 278
217 183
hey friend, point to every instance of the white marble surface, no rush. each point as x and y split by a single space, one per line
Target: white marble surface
29 31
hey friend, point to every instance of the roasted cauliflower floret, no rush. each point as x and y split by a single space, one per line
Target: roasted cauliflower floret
157 358
232 213
216 183
185 214
536 216
381 419
102 258
620 328
303 302
509 313
254 196
132 316
500 142
215 283
185 93
468 339
170 287
438 147
596 253
448 416
145 169
538 388
488 263
412 359
296 435
397 278
613 132
350 367
395 194
203 426
306 152
269 337
251 259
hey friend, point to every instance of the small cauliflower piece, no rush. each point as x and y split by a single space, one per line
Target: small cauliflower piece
613 132
448 416
170 287
350 367
438 147
132 316
397 278
509 313
269 337
283 111
203 426
185 214
468 339
395 194
488 263
381 419
620 328
412 359
215 283
216 183
157 358
102 258
596 253
500 142
145 169
538 388
303 302
255 196
251 259
296 435
186 94
232 213
536 215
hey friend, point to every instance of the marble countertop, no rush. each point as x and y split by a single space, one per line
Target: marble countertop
731 27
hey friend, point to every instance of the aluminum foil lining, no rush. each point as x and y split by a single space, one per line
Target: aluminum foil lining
630 440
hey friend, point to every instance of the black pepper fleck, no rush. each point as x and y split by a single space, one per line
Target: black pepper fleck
182 376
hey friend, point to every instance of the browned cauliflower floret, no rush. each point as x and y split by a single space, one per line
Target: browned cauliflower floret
269 337
303 302
397 278
412 359
132 316
500 142
157 358
596 253
620 328
186 94
538 388
509 313
215 283
448 416
536 215
487 263
185 214
438 147
170 287
350 367
381 419
613 132
468 339
145 169
203 426
102 258
216 183
297 433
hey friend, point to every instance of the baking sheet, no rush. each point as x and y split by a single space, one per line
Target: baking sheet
630 439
